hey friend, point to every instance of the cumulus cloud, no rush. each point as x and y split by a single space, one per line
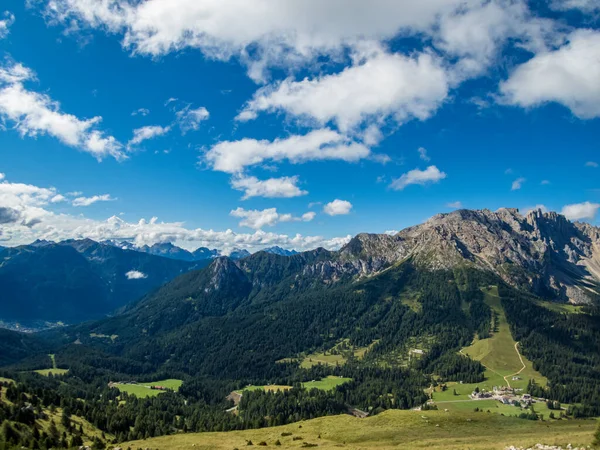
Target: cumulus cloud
22 204
322 144
189 119
258 219
58 198
285 187
421 177
337 207
135 275
403 87
9 215
87 201
257 33
591 164
517 184
6 20
579 211
423 154
148 132
36 114
296 32
454 205
568 75
36 220
476 33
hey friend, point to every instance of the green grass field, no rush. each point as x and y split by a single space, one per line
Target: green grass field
498 353
6 380
54 370
47 372
496 407
561 307
394 430
329 359
268 388
499 356
143 390
326 384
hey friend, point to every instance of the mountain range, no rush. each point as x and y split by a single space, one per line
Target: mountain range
170 250
396 313
241 315
76 280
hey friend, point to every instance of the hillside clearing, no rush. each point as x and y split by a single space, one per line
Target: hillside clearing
267 388
499 353
142 390
326 384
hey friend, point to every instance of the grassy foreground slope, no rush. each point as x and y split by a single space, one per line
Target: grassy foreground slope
393 429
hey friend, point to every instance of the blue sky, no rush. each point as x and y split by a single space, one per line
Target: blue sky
296 125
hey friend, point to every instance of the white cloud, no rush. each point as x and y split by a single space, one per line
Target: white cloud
307 217
58 198
285 187
256 32
135 275
337 207
148 132
141 112
583 5
33 114
545 182
258 219
455 205
323 144
591 164
189 119
517 184
579 211
26 216
423 154
568 75
385 85
87 201
5 22
421 177
476 34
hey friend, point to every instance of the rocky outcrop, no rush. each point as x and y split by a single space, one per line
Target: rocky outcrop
541 251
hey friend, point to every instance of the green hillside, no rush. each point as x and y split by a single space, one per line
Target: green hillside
392 430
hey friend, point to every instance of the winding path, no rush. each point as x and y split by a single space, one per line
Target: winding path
522 368
507 376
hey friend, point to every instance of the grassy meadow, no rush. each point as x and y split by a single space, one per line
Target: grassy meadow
326 384
500 357
142 390
393 429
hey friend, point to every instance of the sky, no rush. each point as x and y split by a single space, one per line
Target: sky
252 123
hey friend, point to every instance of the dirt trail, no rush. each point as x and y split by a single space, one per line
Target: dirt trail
522 368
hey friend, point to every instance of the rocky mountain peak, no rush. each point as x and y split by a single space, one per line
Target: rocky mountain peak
224 271
541 251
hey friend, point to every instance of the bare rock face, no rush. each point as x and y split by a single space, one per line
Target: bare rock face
542 252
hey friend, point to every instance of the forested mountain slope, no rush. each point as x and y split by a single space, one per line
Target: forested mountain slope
77 280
